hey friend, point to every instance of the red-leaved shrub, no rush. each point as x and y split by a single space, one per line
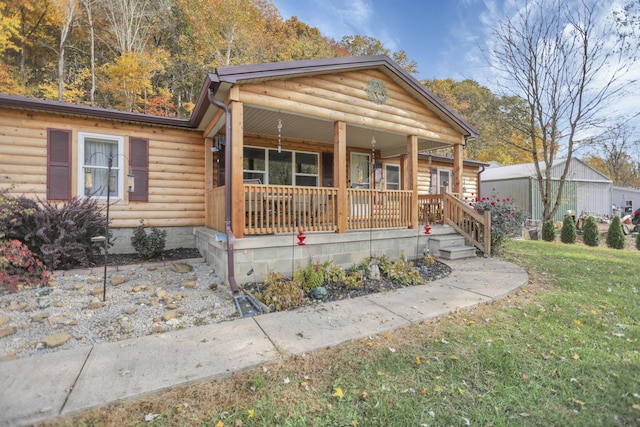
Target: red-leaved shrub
18 266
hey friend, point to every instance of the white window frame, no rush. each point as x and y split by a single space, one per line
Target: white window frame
294 174
111 139
395 166
441 181
360 179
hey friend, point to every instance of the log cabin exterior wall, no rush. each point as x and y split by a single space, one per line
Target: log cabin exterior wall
343 97
176 165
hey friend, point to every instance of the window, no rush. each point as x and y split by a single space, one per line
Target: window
391 176
444 176
284 168
360 170
94 151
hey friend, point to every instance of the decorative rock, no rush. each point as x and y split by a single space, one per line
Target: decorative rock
97 291
56 340
139 288
172 306
131 310
181 267
213 286
374 272
77 287
4 320
44 302
153 302
161 293
7 331
40 317
93 305
118 280
16 306
191 284
157 329
43 291
70 322
169 315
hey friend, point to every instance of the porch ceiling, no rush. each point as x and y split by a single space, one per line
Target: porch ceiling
265 122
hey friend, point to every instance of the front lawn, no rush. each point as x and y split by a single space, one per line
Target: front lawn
563 350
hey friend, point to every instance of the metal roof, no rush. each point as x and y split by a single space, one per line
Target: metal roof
579 171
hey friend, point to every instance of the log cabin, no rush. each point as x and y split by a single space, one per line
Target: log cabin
278 163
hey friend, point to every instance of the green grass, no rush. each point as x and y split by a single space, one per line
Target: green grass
562 351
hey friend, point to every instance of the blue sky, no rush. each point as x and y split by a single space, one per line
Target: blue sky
445 37
442 36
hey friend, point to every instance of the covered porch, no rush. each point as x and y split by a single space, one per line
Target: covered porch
328 146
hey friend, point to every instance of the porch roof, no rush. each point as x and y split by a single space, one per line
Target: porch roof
224 78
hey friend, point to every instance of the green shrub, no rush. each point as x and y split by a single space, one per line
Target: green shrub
548 231
310 277
506 218
60 235
615 236
281 294
19 267
590 233
638 241
399 272
568 233
150 245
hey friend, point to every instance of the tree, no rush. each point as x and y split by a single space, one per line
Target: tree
615 235
590 232
617 146
490 114
563 65
548 231
68 10
568 233
357 45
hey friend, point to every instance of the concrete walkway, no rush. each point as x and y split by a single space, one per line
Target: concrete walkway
38 388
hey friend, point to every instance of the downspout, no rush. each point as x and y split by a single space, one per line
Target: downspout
227 192
482 169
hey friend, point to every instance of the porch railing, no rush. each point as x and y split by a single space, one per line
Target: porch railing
214 209
474 227
280 209
378 209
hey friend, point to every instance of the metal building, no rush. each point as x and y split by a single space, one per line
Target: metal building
626 200
586 191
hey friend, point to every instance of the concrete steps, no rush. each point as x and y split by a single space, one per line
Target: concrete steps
450 245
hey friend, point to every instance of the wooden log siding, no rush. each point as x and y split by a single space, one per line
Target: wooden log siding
176 165
343 97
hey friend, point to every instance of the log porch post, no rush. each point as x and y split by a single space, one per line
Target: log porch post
340 173
457 169
412 172
237 188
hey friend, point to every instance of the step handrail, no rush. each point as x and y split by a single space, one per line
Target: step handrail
474 227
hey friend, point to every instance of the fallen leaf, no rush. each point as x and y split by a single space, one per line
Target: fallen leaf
250 413
438 389
575 356
636 406
418 361
220 423
337 392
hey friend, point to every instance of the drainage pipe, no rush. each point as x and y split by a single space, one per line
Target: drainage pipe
227 192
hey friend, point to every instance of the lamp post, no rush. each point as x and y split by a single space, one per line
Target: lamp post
111 184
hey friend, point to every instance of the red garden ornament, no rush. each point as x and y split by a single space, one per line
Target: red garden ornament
427 228
301 238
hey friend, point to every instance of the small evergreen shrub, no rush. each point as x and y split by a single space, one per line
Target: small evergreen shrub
638 241
58 234
590 233
19 267
399 272
615 236
568 234
149 245
548 231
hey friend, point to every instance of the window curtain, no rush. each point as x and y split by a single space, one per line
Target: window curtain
96 157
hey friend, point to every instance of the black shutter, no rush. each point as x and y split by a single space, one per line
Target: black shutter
58 164
139 167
